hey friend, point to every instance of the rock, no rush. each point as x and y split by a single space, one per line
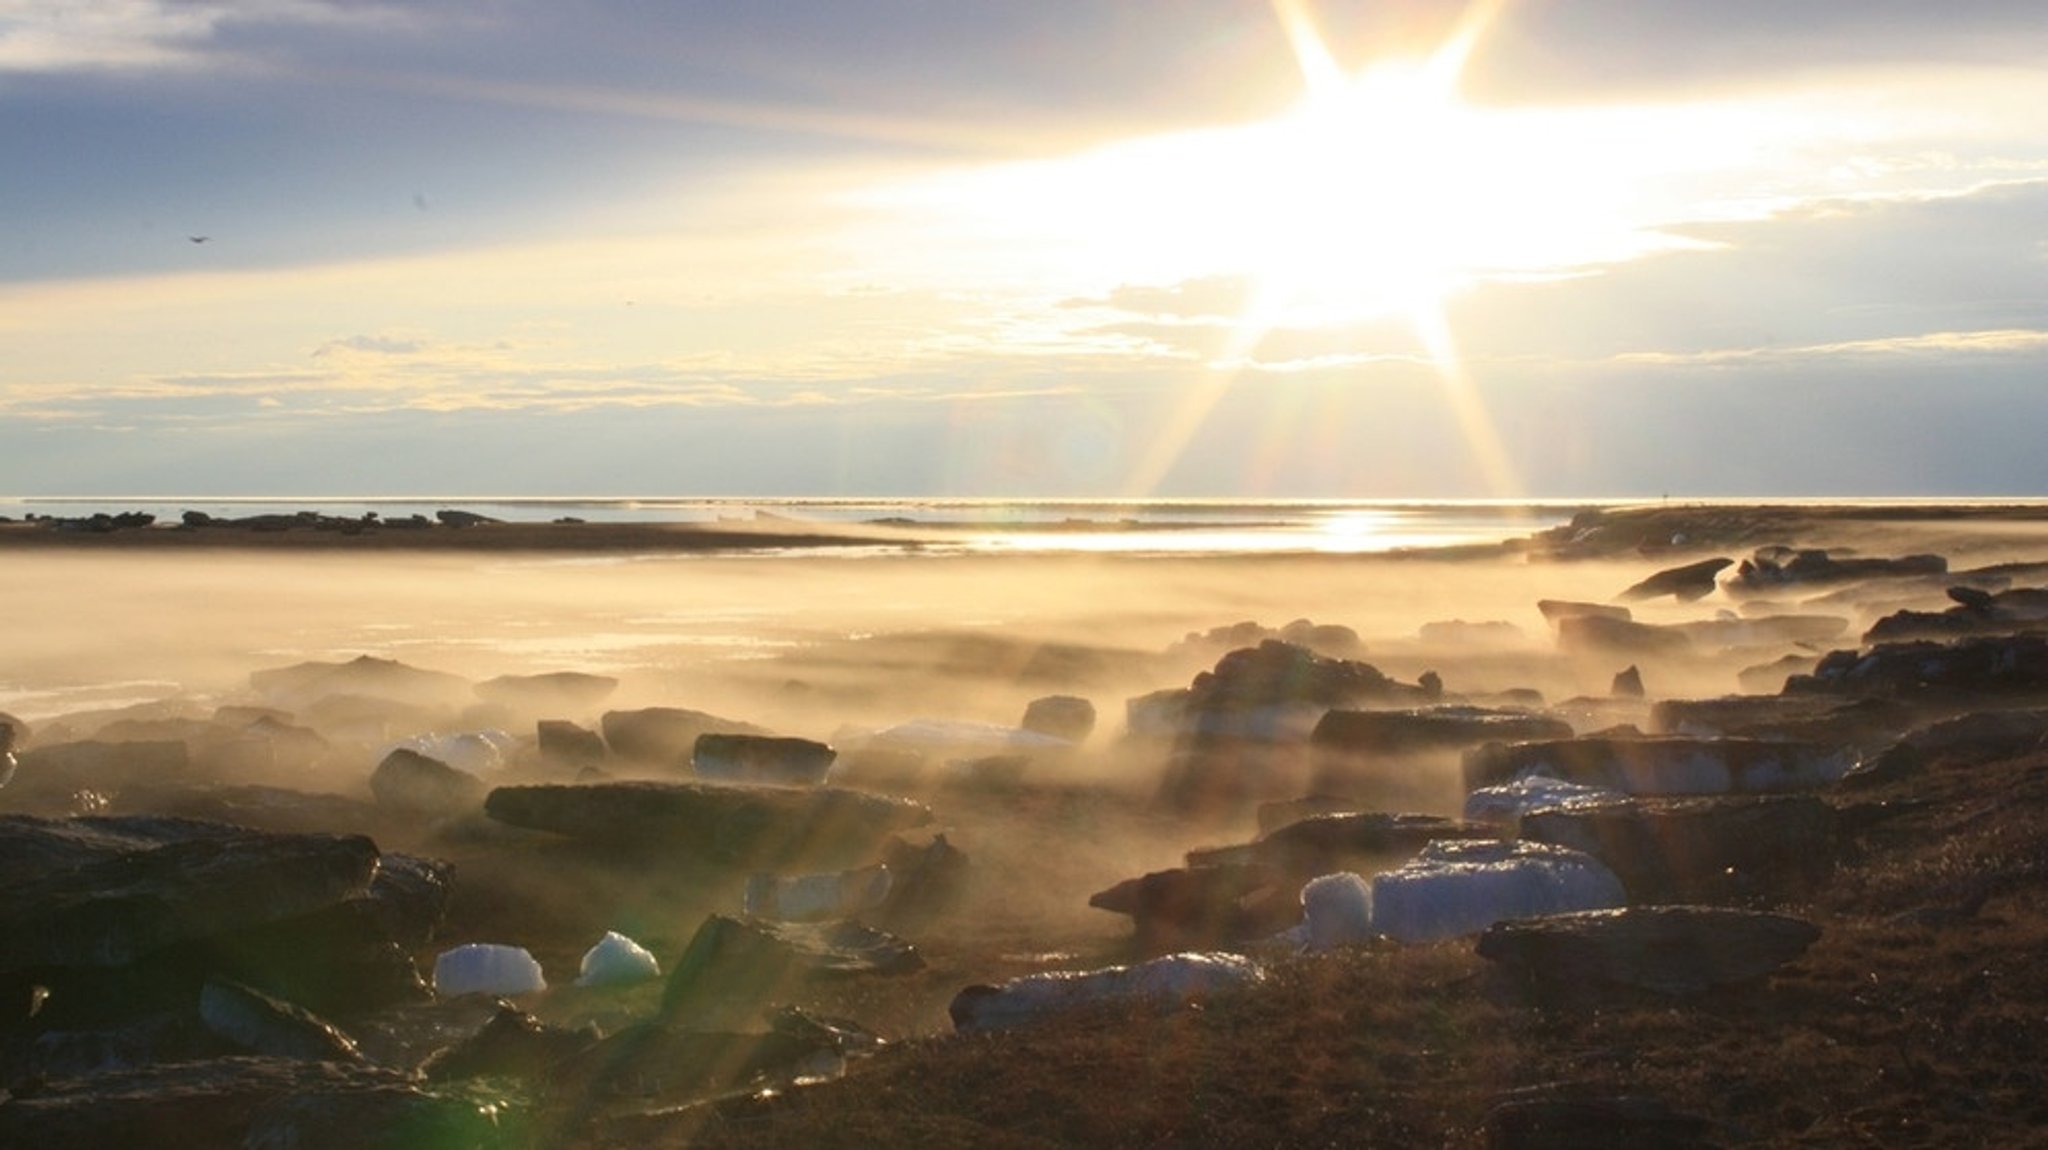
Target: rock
479 753
1490 633
1965 669
570 745
1687 583
736 964
955 740
453 518
1203 905
487 968
411 783
1700 850
1549 1118
571 690
1600 635
196 882
660 1066
1066 717
1168 982
1363 841
1774 567
365 676
1671 765
1763 631
616 961
1769 678
1556 610
1628 684
233 1103
665 735
260 1024
925 882
1976 613
13 732
512 1044
761 759
82 775
1273 692
1430 730
1455 888
1669 950
731 824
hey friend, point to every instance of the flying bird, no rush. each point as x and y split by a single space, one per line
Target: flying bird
199 239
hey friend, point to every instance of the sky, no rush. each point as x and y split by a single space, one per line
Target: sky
1400 249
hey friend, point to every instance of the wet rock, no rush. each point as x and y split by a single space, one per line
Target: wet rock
1506 804
1674 765
733 824
735 964
1700 850
1669 950
665 735
1430 730
1363 841
260 1024
1203 905
235 1103
570 745
1068 717
1168 982
1687 583
412 783
761 759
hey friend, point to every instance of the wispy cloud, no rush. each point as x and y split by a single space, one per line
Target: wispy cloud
67 35
1940 344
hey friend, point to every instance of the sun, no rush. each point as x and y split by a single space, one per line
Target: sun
1374 188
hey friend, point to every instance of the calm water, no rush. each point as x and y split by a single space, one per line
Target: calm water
982 526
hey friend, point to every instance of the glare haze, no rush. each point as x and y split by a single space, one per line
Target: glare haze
1419 249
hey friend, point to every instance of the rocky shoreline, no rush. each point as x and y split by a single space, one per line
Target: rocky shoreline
363 902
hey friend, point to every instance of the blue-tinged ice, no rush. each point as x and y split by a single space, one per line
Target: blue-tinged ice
487 968
617 961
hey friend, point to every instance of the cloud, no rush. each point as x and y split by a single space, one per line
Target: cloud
68 35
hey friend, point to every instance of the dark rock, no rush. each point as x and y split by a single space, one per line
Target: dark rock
1687 583
761 759
1628 684
260 1024
1966 669
453 518
1272 816
414 784
1980 736
1067 717
1669 950
70 776
1430 730
1600 635
566 743
660 1065
926 882
1323 844
235 1103
1673 765
1812 718
1774 567
1769 678
1700 850
1273 692
760 826
665 735
512 1044
737 964
1977 613
114 910
1200 906
1551 1119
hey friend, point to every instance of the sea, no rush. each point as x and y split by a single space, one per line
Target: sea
942 526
